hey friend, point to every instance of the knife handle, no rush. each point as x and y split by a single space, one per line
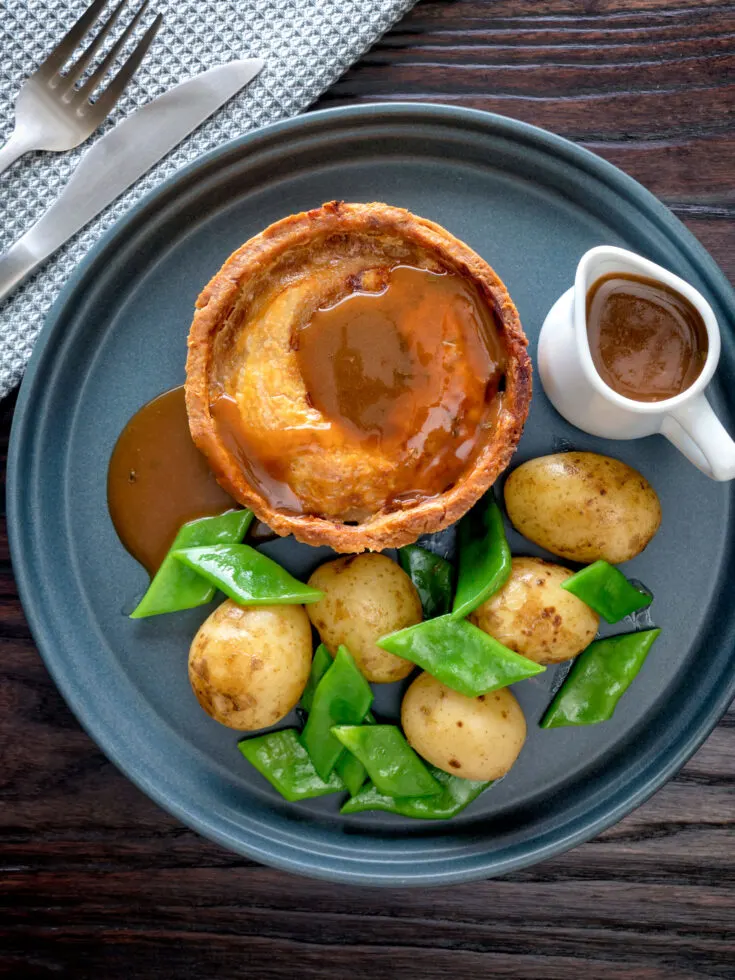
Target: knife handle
84 195
15 264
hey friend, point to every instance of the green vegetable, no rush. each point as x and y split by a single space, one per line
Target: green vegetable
599 678
433 577
484 556
392 764
460 655
350 770
175 587
605 589
285 763
246 575
456 794
342 697
320 664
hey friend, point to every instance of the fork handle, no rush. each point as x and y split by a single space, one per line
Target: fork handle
16 264
16 146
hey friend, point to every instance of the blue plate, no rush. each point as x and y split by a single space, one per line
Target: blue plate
531 204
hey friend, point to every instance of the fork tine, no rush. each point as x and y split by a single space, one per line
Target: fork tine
65 48
104 105
86 90
77 69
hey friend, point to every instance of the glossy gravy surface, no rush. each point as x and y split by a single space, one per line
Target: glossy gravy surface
157 480
387 397
647 341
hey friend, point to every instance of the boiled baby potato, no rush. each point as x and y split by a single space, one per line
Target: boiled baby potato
476 738
583 506
249 665
365 597
534 616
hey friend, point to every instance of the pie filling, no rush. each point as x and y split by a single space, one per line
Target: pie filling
359 384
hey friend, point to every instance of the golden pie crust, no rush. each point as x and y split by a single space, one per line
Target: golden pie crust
336 243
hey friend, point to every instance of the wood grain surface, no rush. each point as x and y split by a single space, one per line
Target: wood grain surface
96 881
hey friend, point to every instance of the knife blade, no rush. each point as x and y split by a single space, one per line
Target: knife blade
119 158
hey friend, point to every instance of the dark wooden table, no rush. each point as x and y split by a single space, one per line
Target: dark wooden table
96 881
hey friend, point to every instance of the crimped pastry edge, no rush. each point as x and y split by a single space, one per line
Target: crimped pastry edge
396 528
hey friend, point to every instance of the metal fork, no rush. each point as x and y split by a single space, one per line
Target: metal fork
50 113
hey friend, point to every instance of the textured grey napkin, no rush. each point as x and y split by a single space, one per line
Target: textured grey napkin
306 44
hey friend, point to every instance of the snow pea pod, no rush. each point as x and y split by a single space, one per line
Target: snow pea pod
432 576
175 587
350 770
320 664
285 763
599 678
342 697
455 795
246 576
391 763
605 589
460 655
484 556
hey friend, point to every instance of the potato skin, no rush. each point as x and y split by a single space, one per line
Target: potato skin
534 616
365 597
475 738
248 665
583 506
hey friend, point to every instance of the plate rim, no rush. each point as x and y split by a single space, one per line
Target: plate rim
483 865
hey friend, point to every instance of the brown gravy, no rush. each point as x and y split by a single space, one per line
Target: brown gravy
262 472
157 480
408 371
647 341
367 360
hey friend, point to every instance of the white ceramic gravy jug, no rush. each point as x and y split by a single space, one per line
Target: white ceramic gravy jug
577 391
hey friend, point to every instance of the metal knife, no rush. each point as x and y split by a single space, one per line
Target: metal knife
119 157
